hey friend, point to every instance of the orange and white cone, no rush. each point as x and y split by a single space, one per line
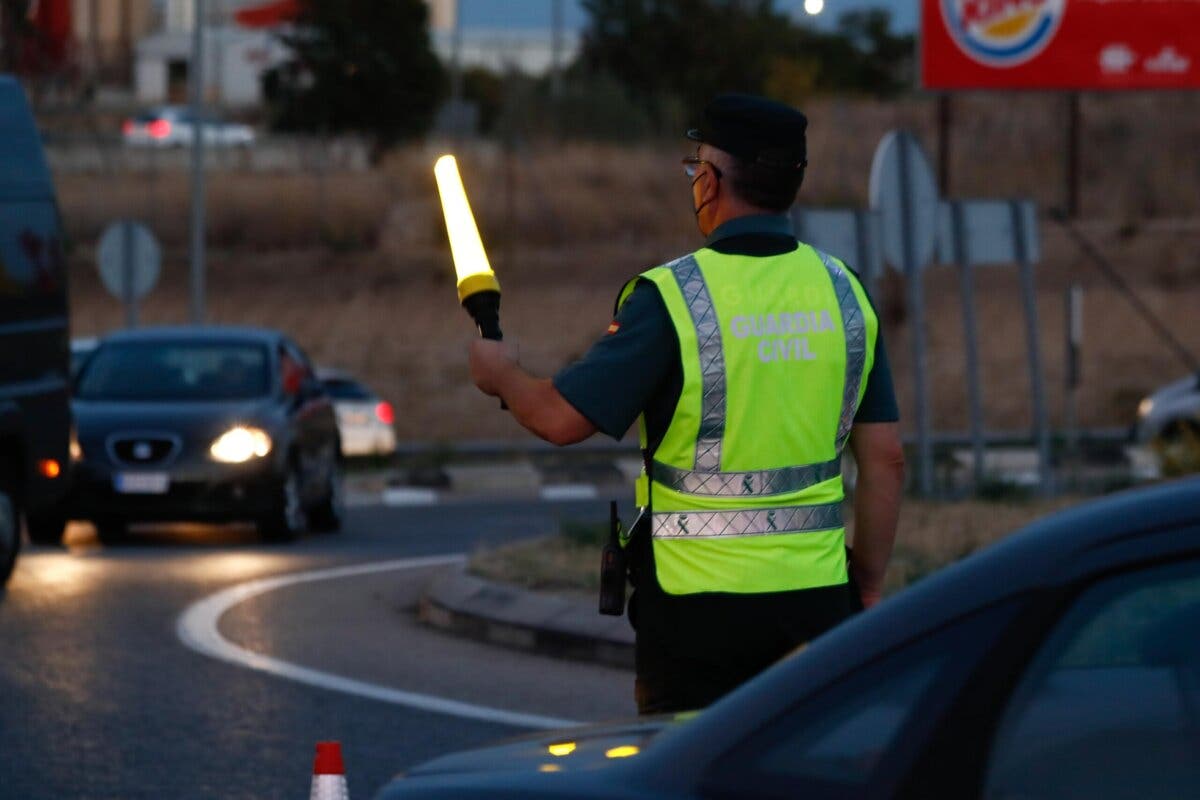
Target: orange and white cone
329 775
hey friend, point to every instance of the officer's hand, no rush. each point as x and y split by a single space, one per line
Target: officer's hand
490 360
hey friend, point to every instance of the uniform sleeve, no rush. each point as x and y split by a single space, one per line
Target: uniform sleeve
616 378
879 399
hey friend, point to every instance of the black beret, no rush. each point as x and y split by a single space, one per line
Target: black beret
755 129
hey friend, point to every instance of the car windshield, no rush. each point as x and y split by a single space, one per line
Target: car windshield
175 370
342 389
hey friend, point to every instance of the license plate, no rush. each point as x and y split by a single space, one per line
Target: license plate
142 482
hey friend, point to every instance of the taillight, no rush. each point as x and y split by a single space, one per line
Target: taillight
160 128
384 413
127 126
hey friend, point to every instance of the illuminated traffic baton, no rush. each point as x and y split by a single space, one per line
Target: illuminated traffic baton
478 289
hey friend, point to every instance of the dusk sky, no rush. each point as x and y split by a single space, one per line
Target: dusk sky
536 13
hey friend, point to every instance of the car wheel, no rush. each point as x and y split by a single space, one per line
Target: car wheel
288 519
10 535
45 528
1178 447
327 515
111 530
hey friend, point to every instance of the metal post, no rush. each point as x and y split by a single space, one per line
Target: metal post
1074 125
862 247
1029 297
945 120
196 81
1074 331
127 288
966 282
556 48
916 301
456 78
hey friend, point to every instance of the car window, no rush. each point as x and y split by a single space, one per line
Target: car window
837 741
1110 706
342 389
299 356
175 370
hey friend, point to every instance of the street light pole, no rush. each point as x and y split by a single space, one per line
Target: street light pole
196 87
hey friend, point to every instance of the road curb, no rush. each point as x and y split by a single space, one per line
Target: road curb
508 616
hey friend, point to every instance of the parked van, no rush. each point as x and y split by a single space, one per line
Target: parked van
35 416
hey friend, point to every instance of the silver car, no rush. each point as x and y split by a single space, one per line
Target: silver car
364 419
1168 424
1170 413
173 126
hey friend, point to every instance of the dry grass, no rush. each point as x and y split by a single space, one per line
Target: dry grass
931 535
355 265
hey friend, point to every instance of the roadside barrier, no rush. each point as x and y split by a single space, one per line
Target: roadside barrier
329 774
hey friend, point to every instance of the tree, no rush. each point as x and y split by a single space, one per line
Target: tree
691 49
358 65
694 49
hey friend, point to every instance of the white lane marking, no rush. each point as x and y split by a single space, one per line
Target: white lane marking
570 491
409 496
197 629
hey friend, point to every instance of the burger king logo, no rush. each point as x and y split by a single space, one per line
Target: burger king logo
1002 33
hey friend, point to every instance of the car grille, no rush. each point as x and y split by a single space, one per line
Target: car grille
143 450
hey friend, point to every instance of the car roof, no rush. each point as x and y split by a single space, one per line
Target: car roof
24 173
204 333
1042 554
335 374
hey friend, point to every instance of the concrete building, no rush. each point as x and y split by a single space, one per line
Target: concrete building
236 57
235 60
103 33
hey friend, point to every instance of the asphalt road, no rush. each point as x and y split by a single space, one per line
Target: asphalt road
100 699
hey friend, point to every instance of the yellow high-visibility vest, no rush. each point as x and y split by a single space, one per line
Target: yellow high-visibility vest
745 490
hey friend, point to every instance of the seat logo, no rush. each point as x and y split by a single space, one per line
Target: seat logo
1002 33
142 451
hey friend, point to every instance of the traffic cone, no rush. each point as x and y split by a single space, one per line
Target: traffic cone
329 775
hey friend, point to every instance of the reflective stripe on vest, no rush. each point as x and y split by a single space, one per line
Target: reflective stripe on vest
706 477
746 522
712 362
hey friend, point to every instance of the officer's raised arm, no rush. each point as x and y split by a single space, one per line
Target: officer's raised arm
533 402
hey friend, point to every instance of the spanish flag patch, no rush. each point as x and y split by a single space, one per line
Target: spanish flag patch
613 327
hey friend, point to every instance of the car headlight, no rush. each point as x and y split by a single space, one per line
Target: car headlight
1145 407
241 444
75 448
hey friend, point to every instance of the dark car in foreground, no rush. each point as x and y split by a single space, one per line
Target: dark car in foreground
35 413
1062 662
204 423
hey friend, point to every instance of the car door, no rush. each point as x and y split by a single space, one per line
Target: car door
859 736
1110 705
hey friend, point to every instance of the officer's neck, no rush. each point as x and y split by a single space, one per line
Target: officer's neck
732 208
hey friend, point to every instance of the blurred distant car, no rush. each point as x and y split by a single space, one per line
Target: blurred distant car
81 348
204 423
364 419
1171 412
173 126
1062 662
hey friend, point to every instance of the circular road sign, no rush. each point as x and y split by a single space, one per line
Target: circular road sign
129 260
904 190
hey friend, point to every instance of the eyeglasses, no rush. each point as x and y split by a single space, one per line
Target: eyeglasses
692 164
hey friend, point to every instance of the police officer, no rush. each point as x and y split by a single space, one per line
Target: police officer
749 365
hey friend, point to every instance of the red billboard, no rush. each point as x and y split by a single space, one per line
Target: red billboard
1060 44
